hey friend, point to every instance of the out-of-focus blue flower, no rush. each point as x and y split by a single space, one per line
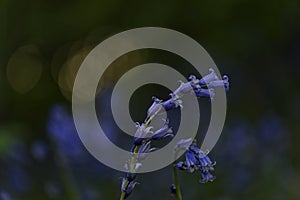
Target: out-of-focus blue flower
241 177
4 195
53 189
62 131
16 167
19 154
39 150
18 179
272 133
90 193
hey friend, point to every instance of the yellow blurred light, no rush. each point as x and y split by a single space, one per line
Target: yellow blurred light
24 68
69 71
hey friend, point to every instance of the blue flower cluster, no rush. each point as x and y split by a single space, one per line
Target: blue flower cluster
196 159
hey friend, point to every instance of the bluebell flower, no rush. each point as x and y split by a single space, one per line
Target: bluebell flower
206 176
184 88
183 144
172 103
191 160
200 92
142 133
154 108
220 83
132 167
164 132
181 165
127 188
144 150
169 104
173 188
204 160
226 82
196 159
209 77
130 176
209 81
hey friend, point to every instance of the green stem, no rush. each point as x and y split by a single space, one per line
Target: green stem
176 182
123 193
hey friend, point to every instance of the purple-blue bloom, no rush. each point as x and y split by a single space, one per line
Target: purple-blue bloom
163 132
196 159
169 104
62 131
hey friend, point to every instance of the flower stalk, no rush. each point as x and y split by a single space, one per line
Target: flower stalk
195 158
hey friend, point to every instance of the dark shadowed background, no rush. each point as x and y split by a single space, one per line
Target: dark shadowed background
42 44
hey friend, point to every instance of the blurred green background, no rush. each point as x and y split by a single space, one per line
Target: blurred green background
42 44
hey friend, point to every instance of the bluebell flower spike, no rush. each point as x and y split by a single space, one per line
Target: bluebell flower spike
195 159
